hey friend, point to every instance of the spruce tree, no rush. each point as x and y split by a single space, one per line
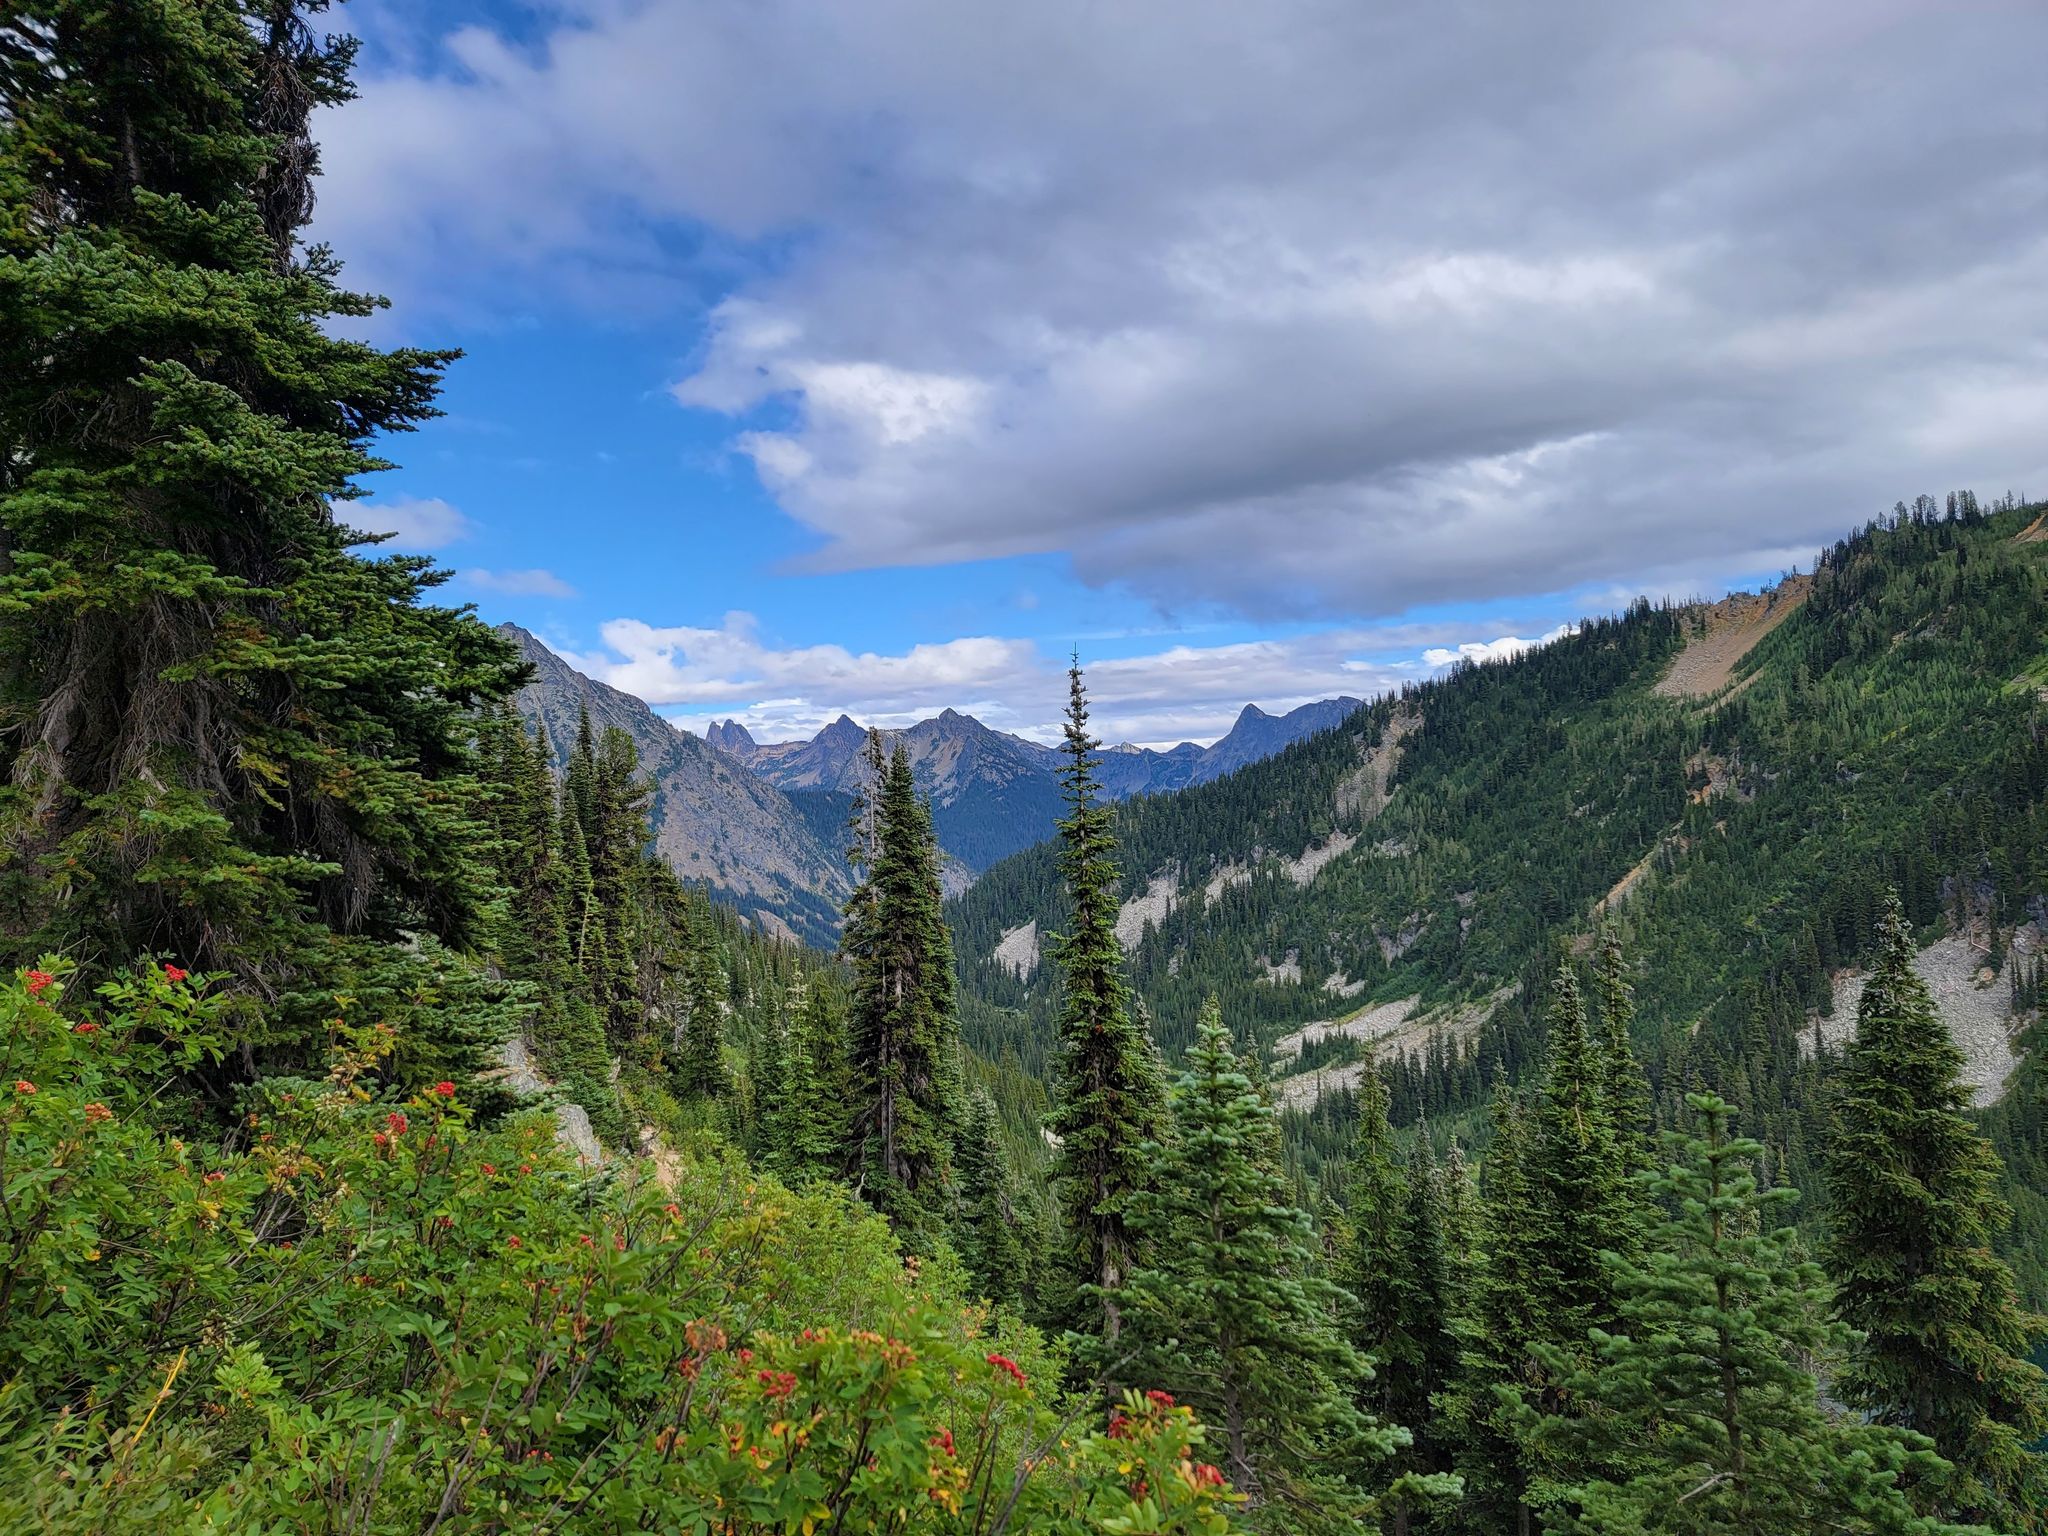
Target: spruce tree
1108 1101
987 1232
1376 1266
1627 1089
903 1036
230 734
1431 1304
1702 1396
1913 1211
807 1118
1231 1315
1481 1413
700 1057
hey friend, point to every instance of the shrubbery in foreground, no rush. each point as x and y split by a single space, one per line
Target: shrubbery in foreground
364 1314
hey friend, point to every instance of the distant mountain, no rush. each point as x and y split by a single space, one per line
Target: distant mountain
713 821
993 793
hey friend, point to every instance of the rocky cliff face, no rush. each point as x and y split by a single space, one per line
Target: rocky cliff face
713 820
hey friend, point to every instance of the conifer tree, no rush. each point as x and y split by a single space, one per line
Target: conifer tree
1913 1210
1583 1200
903 1036
1431 1305
807 1118
1482 1413
227 736
987 1232
1701 1394
1231 1315
1108 1101
1627 1090
1376 1269
700 1065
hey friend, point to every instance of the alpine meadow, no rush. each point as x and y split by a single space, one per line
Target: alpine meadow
1320 830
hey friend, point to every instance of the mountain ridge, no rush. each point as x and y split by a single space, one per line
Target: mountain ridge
713 821
993 792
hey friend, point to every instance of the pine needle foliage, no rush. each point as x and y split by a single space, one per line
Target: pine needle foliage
1913 1211
1702 1391
1232 1314
1108 1101
230 733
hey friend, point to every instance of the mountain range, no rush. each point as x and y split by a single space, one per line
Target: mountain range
762 825
994 793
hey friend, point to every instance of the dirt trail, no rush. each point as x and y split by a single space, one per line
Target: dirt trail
1725 632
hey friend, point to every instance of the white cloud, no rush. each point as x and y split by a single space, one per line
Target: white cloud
1179 693
1295 307
1502 649
416 523
534 583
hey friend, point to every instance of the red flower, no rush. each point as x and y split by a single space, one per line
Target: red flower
380 1140
85 1026
173 973
526 1167
746 1355
673 1209
1008 1366
445 1088
1159 1399
37 982
1207 1475
777 1384
1119 1425
584 1239
397 1123
215 1177
95 1114
513 1242
23 1085
943 1440
489 1169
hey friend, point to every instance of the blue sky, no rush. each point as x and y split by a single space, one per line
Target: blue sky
868 359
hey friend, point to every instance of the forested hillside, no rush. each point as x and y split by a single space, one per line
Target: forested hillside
394 1143
1886 731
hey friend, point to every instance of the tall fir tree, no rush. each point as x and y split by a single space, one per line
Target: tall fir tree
1108 1099
1702 1395
1913 1210
1481 1415
1231 1313
700 1053
903 1036
987 1232
228 735
1376 1266
1627 1089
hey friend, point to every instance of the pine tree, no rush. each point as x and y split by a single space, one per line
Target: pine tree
1701 1394
1376 1269
1583 1201
1108 1100
1913 1210
1431 1305
988 1234
1231 1315
1627 1090
227 736
807 1119
903 1036
700 1058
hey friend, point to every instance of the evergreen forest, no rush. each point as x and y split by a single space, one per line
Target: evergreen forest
390 1142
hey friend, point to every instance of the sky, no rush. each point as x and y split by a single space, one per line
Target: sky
874 358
